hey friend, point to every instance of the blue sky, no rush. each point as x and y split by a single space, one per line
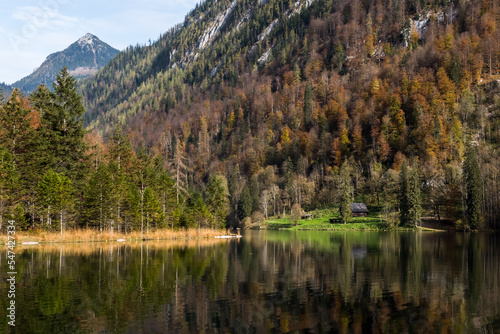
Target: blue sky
30 30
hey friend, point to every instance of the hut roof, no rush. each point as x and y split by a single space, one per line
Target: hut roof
359 208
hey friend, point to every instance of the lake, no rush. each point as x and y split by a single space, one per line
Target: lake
265 282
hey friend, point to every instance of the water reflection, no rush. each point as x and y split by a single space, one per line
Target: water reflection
312 282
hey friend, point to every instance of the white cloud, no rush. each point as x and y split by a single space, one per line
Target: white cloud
43 17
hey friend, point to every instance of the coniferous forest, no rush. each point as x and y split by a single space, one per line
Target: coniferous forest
250 108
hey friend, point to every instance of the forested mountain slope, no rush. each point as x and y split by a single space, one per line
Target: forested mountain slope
250 108
6 89
284 92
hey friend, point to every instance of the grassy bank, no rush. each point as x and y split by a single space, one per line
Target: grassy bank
88 236
320 221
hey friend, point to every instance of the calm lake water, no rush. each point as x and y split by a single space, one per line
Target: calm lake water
265 282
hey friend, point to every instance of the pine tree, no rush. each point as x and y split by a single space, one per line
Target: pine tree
308 105
15 126
473 185
217 200
69 124
415 198
345 193
245 204
409 195
132 207
196 213
254 193
96 198
296 74
56 191
17 136
10 184
152 209
403 198
168 199
43 100
120 150
116 195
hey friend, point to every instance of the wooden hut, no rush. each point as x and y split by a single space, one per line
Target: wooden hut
359 210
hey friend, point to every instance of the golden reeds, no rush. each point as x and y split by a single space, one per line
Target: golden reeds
89 235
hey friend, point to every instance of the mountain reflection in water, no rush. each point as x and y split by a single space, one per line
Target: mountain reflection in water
268 281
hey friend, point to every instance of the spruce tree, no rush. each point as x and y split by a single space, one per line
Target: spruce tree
245 204
217 200
96 198
132 207
473 185
308 104
55 191
404 205
71 146
414 199
152 209
10 184
16 136
409 195
254 193
196 213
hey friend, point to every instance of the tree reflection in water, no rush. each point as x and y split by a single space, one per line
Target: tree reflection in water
313 282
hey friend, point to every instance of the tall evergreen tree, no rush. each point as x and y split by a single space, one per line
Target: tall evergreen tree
132 207
10 184
15 126
152 209
254 193
168 199
473 185
245 204
409 195
120 149
55 191
308 104
217 200
43 100
71 145
415 198
17 136
96 198
196 213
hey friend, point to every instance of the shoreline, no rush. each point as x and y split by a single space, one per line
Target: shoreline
87 236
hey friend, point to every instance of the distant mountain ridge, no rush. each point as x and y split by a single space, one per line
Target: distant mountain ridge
6 89
82 58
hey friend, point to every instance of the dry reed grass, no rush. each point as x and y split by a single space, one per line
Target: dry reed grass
82 249
89 235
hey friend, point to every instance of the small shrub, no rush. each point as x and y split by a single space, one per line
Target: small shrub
390 218
246 223
462 226
258 218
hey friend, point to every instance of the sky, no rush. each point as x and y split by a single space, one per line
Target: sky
30 30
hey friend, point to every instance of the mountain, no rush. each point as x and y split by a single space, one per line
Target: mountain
273 93
83 58
5 89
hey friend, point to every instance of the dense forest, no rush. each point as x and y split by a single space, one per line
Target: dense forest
53 175
268 104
